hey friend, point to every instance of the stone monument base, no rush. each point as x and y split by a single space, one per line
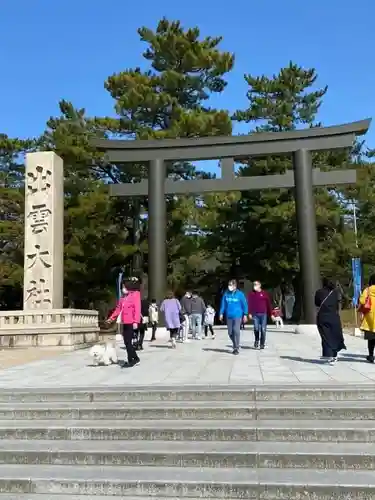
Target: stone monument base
63 328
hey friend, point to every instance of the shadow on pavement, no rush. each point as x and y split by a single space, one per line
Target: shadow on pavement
348 355
349 358
213 349
305 360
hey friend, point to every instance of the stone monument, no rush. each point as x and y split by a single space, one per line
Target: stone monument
43 321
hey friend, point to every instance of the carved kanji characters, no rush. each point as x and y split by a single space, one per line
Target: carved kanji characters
39 255
38 293
39 216
39 181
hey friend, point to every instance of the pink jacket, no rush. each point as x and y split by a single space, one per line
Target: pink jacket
129 306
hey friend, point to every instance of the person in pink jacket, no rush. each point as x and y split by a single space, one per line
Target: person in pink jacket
129 310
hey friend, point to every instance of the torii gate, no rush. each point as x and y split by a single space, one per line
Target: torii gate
299 143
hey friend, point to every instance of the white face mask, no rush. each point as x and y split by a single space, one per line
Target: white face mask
188 295
231 288
124 291
257 288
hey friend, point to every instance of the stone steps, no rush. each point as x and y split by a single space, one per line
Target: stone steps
47 496
175 482
192 393
191 430
191 454
267 443
182 410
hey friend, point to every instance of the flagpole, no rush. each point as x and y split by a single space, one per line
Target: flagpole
355 227
355 224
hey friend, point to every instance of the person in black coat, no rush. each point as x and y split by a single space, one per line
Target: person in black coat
327 300
142 328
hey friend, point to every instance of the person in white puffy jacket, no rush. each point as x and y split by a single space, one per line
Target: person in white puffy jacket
153 317
209 319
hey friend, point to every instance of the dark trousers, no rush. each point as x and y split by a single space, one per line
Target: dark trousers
141 335
208 327
260 328
234 331
371 347
127 334
330 331
154 328
173 332
327 351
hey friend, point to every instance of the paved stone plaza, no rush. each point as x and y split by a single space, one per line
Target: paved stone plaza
288 359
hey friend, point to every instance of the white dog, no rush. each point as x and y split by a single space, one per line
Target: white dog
104 354
279 322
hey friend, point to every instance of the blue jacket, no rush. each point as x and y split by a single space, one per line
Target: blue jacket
234 304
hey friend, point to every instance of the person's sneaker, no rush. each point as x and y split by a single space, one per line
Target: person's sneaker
262 347
332 361
173 343
213 336
236 352
198 338
256 345
186 341
370 359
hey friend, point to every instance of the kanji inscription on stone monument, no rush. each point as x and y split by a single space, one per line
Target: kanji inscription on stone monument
39 180
39 293
44 204
39 255
39 216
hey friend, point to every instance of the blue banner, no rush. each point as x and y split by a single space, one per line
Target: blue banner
357 280
118 287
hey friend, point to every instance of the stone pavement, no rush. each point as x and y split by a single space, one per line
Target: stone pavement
20 356
288 359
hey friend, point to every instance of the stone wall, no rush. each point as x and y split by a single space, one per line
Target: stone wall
66 328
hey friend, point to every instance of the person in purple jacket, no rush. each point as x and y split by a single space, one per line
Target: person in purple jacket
260 308
172 312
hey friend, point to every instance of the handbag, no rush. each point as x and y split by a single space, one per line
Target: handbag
366 307
180 314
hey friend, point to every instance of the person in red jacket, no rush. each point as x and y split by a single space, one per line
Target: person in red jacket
129 308
260 308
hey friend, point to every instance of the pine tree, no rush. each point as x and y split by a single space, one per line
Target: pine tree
97 230
283 102
12 219
171 99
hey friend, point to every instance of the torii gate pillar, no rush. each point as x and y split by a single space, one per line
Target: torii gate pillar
157 231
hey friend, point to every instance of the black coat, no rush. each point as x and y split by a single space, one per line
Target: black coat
328 318
144 308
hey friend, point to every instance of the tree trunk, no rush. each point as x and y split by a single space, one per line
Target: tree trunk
297 315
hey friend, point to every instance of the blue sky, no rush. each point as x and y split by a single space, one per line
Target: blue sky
66 49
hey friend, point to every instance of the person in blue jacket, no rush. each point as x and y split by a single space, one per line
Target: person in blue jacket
234 307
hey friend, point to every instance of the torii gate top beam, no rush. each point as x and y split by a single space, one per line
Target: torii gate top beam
241 146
